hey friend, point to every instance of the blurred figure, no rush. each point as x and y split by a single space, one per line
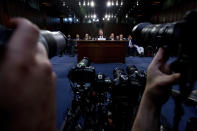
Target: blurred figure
69 37
86 37
134 49
117 37
131 50
112 37
122 37
27 82
89 37
101 34
77 37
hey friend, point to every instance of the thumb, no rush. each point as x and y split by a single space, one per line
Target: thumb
170 79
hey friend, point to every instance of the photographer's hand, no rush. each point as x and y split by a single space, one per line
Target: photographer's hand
27 82
159 80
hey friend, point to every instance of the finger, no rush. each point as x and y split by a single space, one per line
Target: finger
170 79
24 38
160 57
41 50
166 69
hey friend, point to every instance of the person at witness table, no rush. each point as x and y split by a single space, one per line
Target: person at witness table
117 37
133 48
69 37
101 34
89 37
77 37
86 37
122 37
112 37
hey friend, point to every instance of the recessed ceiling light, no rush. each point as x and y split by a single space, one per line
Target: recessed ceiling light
84 3
92 4
64 4
117 3
108 4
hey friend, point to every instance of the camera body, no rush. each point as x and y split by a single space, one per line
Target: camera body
82 72
126 95
137 78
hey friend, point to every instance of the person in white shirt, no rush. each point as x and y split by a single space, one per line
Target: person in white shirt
86 37
112 36
132 45
101 36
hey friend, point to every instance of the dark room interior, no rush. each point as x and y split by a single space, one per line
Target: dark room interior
109 58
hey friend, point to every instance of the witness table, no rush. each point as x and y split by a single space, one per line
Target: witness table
102 51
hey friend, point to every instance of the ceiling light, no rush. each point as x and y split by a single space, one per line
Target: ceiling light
64 3
126 16
65 19
70 19
94 16
121 3
116 3
108 19
79 3
112 3
103 19
88 3
106 16
108 4
84 3
92 4
137 3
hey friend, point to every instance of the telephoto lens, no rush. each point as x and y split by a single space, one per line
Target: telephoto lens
54 42
155 35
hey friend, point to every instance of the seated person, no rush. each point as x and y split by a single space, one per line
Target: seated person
117 37
133 48
89 37
122 37
86 37
77 37
101 36
69 37
112 37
